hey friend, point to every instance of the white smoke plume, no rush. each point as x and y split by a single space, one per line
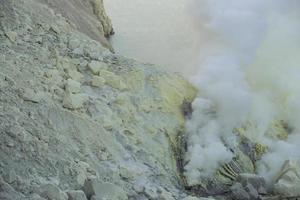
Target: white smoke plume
251 73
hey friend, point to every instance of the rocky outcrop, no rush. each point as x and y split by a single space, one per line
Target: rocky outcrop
99 11
88 17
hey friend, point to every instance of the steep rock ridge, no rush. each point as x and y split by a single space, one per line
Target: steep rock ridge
88 17
78 122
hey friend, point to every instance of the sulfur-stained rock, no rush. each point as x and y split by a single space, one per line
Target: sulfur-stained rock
174 91
55 75
102 190
72 86
113 80
96 67
98 81
74 101
12 36
75 75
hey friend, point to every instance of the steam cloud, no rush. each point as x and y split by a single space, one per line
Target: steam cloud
250 74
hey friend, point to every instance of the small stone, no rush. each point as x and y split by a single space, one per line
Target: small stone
138 187
74 101
39 40
11 35
96 66
9 193
75 75
55 28
76 195
95 198
139 184
36 197
196 198
126 173
98 81
31 95
81 178
121 99
151 192
165 195
10 144
238 192
55 75
256 181
73 86
78 52
12 176
49 191
251 191
94 51
66 170
74 43
102 190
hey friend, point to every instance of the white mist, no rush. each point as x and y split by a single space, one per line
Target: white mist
249 75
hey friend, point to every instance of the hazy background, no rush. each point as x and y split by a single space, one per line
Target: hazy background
162 32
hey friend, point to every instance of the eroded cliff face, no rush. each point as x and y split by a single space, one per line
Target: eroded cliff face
78 122
88 17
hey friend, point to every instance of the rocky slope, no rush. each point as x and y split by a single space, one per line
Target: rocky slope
78 122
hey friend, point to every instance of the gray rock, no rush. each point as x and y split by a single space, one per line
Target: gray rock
253 193
73 86
35 197
51 192
258 182
74 101
31 95
76 195
197 198
288 183
102 190
12 36
96 66
238 192
12 176
151 192
98 81
9 193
